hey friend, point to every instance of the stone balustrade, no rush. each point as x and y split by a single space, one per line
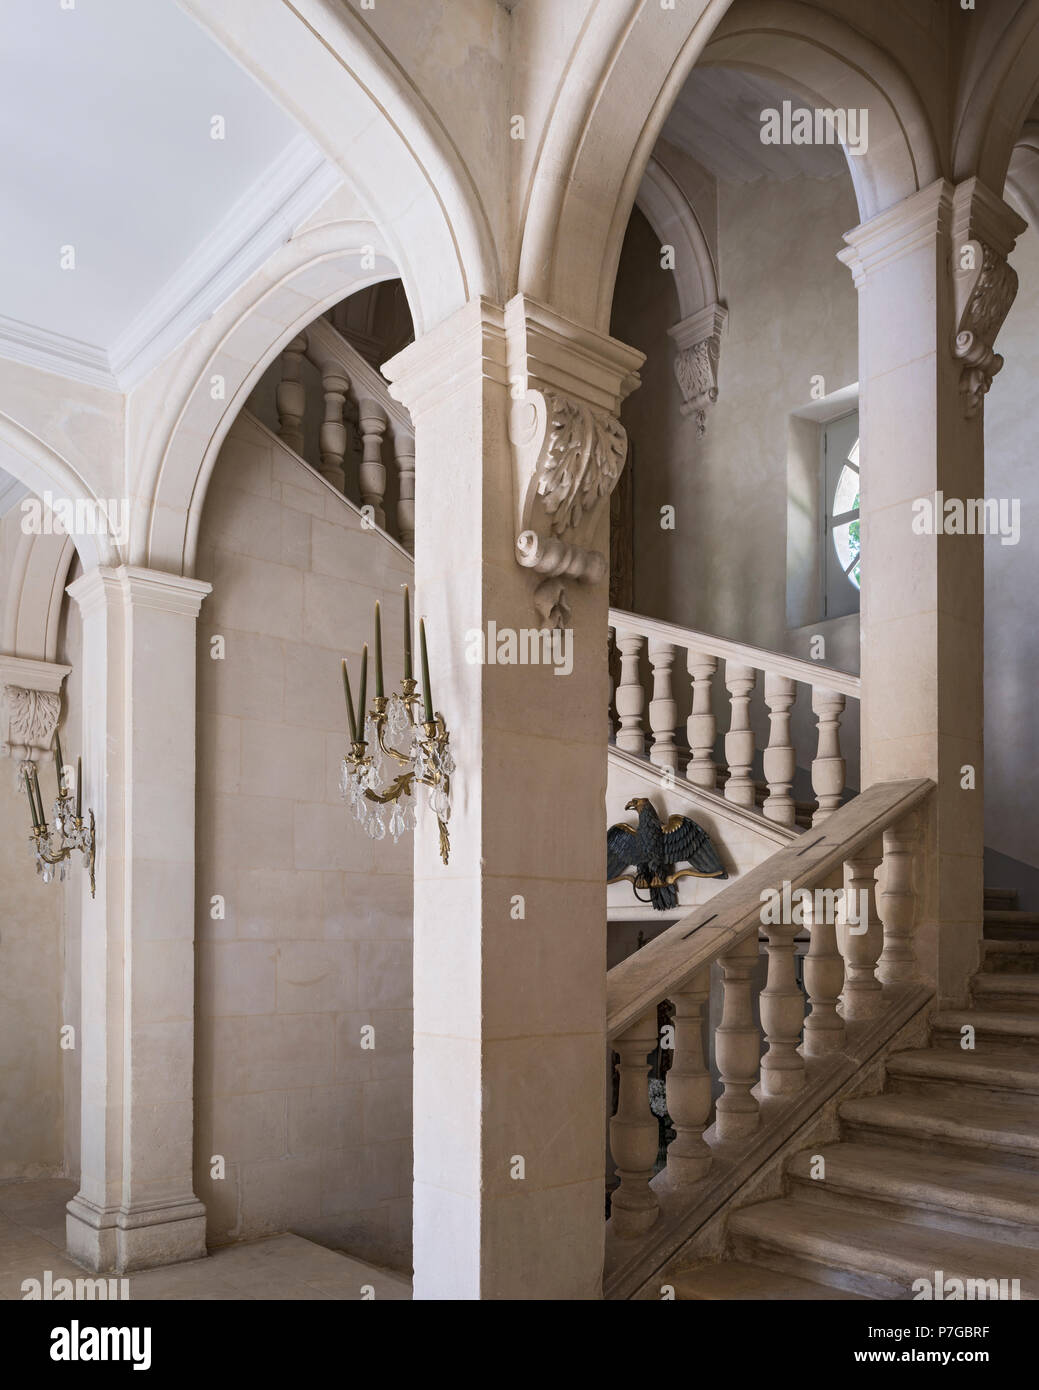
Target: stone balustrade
355 400
772 1042
636 638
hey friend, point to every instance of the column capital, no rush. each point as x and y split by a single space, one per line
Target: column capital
467 346
139 588
555 354
970 230
916 221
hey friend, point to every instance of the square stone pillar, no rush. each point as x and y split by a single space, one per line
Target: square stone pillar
136 1206
512 410
934 288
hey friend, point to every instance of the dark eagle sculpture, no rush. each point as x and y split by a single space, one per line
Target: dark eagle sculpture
653 850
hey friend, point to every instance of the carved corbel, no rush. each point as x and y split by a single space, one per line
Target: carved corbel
697 342
29 710
985 285
568 458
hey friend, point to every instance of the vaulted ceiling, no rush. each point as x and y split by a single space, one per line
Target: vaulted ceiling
125 222
717 120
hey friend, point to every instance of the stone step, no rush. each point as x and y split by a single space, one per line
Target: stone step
1010 924
731 1279
1010 957
923 1188
868 1255
1003 1069
1004 990
995 1128
991 1025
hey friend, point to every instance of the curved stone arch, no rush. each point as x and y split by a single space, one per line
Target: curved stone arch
999 102
36 591
41 469
673 218
308 275
323 65
1022 180
572 241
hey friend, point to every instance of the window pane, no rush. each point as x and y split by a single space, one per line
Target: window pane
846 498
846 544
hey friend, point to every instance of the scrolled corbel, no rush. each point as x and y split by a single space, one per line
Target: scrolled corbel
985 286
568 459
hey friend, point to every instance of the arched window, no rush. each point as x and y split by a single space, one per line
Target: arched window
843 574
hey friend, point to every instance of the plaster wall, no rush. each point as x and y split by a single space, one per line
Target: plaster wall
792 316
1011 629
31 953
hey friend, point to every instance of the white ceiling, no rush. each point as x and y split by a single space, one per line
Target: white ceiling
717 120
106 111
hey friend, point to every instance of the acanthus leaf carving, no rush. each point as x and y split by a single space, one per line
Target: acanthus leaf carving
568 460
698 345
986 285
34 714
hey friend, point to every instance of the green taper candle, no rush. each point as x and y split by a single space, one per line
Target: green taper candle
61 789
349 703
79 788
427 696
32 803
39 796
407 634
378 652
361 705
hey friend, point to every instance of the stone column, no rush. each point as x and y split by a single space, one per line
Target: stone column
510 964
934 288
136 1206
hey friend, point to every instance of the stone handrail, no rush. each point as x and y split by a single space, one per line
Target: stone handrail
856 970
354 395
782 674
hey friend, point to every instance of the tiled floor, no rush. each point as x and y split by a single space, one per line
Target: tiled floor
32 1240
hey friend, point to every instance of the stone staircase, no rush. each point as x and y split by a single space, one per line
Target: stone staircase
938 1172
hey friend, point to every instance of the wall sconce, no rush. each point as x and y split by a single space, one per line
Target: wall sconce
368 782
52 847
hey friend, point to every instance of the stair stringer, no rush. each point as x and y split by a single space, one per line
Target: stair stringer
754 1172
741 835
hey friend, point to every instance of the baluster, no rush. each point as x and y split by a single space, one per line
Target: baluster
689 1084
737 1044
739 741
335 384
631 698
291 395
861 949
828 766
701 726
372 425
404 453
782 1015
780 759
663 710
896 905
634 1132
824 978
